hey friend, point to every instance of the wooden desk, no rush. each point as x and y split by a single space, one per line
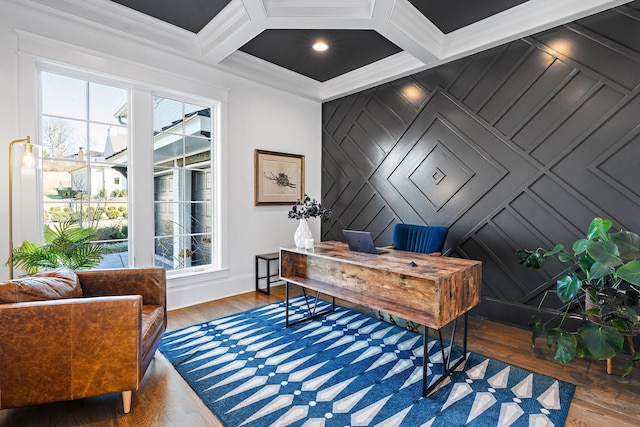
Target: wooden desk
433 293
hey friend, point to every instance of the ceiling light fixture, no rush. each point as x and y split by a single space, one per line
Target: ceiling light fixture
320 46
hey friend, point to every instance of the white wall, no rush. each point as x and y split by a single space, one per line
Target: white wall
257 117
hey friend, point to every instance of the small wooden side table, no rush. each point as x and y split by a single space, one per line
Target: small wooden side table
269 276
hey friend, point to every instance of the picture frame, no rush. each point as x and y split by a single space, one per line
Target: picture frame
279 178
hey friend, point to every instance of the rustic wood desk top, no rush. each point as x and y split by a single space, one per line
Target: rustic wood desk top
433 293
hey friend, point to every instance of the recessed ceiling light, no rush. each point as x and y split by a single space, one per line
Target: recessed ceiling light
320 46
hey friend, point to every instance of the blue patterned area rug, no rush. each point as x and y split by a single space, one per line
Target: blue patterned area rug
349 369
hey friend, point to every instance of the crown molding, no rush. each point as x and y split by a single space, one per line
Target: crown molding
525 19
116 18
319 8
255 69
384 70
219 38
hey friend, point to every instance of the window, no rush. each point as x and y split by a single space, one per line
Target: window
88 169
84 174
182 184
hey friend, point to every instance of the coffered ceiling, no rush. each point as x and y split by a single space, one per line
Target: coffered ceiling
370 41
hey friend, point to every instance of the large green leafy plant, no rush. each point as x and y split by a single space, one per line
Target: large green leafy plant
599 286
65 244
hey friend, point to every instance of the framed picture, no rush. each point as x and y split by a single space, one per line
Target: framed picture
279 178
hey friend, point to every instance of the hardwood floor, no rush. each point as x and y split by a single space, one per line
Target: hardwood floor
165 399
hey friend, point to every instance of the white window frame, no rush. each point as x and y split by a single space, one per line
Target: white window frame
36 54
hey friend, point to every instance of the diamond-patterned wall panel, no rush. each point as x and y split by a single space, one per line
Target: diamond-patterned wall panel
518 146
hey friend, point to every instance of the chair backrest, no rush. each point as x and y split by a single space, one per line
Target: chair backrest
419 238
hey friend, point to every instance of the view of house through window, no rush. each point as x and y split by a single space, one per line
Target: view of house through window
85 137
183 184
84 172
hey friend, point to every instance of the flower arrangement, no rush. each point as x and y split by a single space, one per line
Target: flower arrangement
309 208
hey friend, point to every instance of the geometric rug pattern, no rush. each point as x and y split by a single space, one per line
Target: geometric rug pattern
349 369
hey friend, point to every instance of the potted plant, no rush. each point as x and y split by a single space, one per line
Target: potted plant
66 244
599 288
302 211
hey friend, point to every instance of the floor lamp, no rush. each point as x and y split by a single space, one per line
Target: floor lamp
28 162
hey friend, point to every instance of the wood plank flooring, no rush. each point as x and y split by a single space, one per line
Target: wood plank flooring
165 399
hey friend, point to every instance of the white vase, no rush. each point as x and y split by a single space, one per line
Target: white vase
303 232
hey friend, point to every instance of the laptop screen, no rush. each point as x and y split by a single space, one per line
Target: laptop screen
361 241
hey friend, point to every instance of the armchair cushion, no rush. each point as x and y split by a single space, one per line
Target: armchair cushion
60 283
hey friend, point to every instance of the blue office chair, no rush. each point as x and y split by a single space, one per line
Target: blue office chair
419 238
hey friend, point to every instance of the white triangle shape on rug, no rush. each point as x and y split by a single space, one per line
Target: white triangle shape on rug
195 342
244 373
320 331
428 423
336 314
261 352
330 336
315 422
501 379
311 326
380 334
252 383
185 331
288 367
269 307
364 416
524 389
408 344
413 378
371 351
225 358
277 360
330 393
345 404
437 356
237 329
342 341
482 402
458 391
550 399
223 320
346 320
383 360
238 364
368 329
252 339
317 382
479 371
539 420
241 335
281 401
358 324
225 327
215 352
396 419
295 413
402 365
203 347
302 374
509 413
357 346
194 332
394 339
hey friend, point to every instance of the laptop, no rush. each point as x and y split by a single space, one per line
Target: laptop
361 241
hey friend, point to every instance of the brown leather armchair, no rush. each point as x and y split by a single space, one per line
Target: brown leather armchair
100 343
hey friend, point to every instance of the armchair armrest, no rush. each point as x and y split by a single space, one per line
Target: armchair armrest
68 349
148 282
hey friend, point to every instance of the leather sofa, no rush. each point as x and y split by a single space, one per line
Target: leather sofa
71 348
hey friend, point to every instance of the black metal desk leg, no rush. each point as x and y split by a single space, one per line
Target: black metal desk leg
286 302
425 361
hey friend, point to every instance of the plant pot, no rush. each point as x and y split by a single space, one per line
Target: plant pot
303 232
